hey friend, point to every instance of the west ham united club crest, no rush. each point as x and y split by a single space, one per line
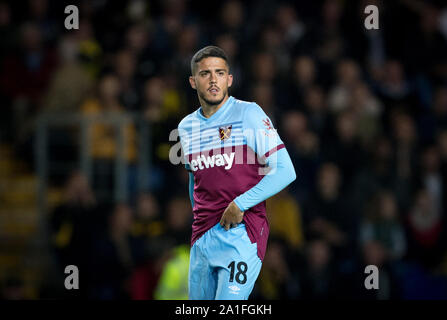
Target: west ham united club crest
225 132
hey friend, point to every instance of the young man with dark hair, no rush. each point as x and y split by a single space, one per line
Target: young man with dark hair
236 161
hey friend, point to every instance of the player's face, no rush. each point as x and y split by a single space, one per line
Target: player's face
212 80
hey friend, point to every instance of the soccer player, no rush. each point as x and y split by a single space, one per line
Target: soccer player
236 161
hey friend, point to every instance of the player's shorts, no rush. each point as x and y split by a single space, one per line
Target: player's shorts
224 265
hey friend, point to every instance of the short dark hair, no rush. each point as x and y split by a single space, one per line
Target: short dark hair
209 51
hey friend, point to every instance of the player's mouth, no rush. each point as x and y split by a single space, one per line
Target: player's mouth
213 90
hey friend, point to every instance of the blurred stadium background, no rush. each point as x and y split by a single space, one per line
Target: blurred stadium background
86 114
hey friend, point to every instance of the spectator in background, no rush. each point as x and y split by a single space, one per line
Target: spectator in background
162 276
178 221
7 32
367 110
276 279
25 75
263 94
394 88
231 19
440 108
382 224
425 231
13 288
304 150
328 214
304 76
263 68
344 148
431 176
73 221
405 149
167 25
285 220
428 45
149 228
186 43
331 45
90 50
317 111
161 106
442 147
348 77
290 27
39 13
353 283
379 173
153 100
104 135
125 68
147 222
231 46
318 278
173 283
113 257
70 83
137 39
172 99
294 124
270 40
75 225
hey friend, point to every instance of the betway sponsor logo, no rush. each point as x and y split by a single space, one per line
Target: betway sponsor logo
217 160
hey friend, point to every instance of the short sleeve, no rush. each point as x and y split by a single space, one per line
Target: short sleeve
259 132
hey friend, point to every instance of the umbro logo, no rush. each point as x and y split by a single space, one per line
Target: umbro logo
234 289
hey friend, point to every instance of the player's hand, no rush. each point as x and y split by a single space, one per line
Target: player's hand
232 216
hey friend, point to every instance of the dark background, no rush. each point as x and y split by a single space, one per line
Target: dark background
363 114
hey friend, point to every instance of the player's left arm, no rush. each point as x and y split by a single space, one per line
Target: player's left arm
264 140
281 174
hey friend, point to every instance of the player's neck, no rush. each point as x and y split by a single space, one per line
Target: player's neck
209 110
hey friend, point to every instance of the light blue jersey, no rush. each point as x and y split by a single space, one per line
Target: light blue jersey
234 155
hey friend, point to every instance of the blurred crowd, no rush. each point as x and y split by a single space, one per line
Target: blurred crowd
363 114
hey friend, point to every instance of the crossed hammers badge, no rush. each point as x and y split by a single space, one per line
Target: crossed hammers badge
225 132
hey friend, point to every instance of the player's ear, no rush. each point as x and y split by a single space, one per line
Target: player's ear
230 80
192 82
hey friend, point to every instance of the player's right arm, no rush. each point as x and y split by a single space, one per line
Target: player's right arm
191 186
187 166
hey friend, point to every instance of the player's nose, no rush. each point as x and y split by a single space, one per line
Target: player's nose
213 78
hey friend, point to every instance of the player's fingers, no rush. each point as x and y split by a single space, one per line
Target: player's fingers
223 221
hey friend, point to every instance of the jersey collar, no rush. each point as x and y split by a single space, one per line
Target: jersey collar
217 113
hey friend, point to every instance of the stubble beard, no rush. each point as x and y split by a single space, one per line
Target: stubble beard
210 102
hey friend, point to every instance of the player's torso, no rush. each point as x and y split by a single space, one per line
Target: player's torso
222 164
224 167
217 152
